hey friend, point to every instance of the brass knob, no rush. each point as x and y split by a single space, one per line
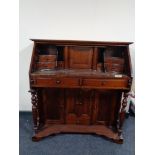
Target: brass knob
58 81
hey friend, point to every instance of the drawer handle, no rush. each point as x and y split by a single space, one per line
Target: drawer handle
58 82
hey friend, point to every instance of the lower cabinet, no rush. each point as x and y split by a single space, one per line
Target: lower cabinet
80 106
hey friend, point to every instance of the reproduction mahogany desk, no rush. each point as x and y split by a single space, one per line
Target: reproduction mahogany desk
79 87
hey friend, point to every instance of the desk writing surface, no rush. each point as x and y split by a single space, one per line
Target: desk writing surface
78 72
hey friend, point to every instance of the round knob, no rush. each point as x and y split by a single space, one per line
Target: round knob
58 81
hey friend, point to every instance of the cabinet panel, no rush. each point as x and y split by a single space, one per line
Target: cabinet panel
107 104
78 106
53 100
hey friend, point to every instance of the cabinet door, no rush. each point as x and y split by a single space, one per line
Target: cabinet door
106 107
80 57
78 106
53 101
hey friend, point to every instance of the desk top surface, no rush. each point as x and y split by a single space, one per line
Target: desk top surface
77 73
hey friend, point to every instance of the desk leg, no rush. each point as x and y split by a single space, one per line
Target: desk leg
35 110
121 117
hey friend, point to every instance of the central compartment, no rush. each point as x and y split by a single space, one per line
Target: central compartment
79 106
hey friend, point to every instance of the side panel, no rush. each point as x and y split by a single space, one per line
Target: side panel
106 108
53 104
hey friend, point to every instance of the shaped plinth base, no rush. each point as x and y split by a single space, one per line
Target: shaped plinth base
85 129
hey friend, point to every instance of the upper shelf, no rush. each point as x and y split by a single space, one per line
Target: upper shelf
82 42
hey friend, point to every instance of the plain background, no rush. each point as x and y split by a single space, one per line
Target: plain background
99 20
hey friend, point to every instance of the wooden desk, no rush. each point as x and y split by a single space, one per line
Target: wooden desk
77 87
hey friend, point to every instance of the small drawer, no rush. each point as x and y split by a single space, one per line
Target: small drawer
47 58
110 83
117 68
56 82
114 60
113 67
46 65
117 60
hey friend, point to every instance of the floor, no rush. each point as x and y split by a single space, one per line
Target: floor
74 144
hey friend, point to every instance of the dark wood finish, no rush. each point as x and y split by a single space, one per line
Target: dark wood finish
77 87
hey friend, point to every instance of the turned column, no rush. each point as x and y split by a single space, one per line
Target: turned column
35 110
121 115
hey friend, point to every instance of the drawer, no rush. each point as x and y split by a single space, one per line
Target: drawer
117 68
47 58
107 83
114 60
113 67
46 65
56 82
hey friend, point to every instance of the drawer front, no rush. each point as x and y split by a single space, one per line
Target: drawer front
114 60
113 67
46 65
47 58
56 82
109 83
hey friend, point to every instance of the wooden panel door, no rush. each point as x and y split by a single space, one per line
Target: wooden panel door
80 57
53 100
106 107
78 106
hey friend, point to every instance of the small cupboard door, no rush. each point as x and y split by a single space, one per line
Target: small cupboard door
80 57
106 107
78 106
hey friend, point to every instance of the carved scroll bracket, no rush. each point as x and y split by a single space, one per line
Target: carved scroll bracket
35 110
